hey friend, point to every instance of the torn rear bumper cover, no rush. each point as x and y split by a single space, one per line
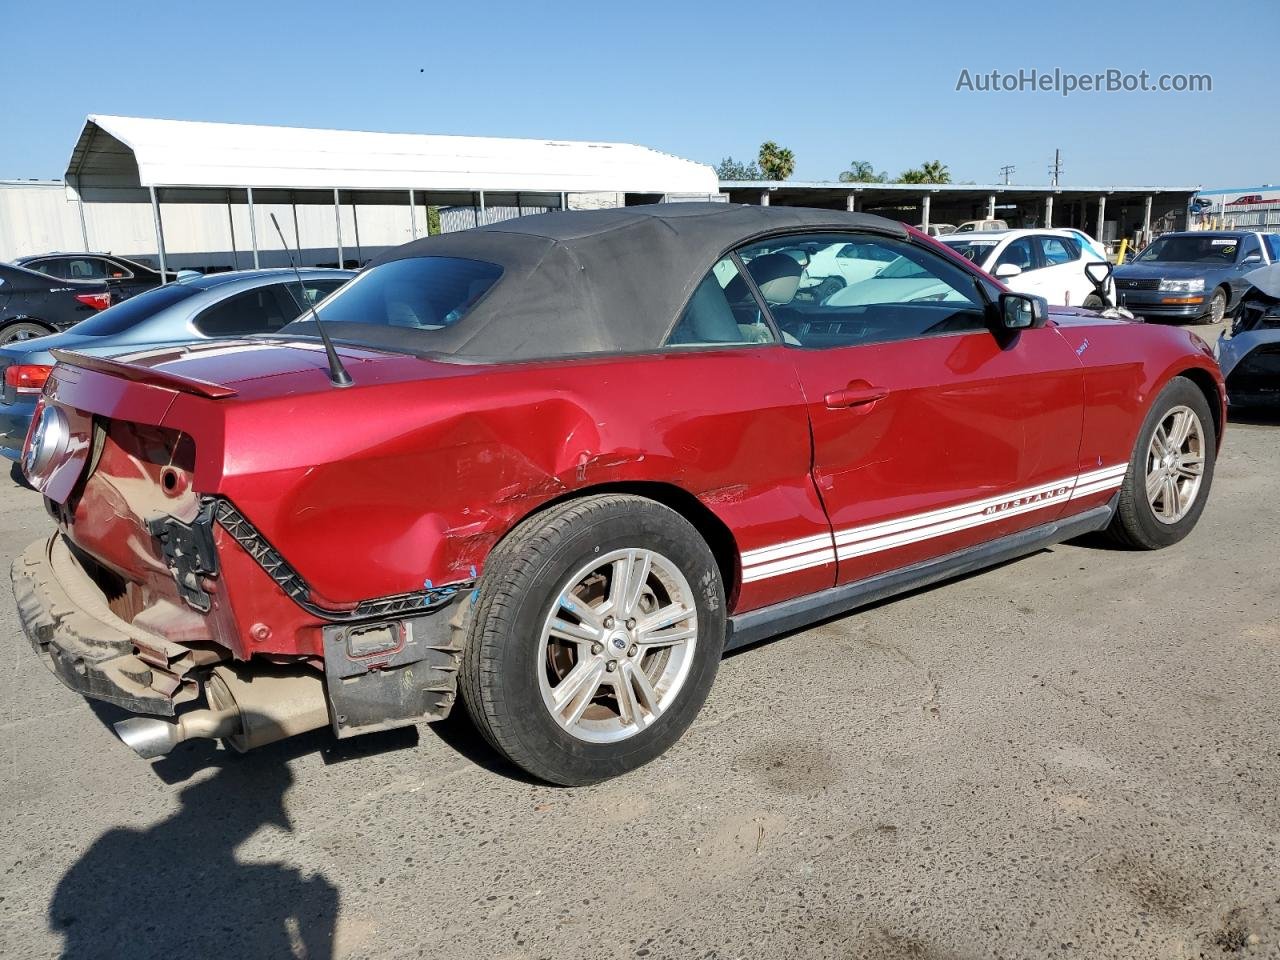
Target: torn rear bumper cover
66 617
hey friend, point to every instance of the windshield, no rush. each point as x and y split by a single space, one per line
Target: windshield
1190 249
124 316
416 293
975 251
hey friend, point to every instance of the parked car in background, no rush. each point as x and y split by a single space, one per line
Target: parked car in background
34 305
1194 275
829 267
1100 250
936 229
1047 263
972 226
488 513
125 277
1249 349
198 308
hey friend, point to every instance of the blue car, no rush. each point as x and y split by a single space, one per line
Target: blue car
1193 276
196 308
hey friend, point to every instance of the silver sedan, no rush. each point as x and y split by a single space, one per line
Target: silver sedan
194 308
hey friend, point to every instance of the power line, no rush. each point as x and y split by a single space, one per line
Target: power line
1005 171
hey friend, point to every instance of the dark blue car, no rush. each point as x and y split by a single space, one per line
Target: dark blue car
1197 275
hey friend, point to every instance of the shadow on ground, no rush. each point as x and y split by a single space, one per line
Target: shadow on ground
1255 416
179 888
18 477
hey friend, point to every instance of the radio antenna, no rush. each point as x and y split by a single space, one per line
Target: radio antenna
338 375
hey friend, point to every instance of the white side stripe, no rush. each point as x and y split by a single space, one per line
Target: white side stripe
817 558
873 530
1087 489
790 548
815 551
949 526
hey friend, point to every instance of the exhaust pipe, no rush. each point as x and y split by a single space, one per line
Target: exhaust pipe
247 708
151 738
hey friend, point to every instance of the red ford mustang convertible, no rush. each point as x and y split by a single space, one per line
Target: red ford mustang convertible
559 465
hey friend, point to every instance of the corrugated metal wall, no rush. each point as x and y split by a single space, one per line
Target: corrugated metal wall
35 217
39 217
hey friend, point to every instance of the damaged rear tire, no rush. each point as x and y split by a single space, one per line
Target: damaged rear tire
594 638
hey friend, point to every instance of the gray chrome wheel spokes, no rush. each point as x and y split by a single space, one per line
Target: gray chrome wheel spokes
617 646
1175 464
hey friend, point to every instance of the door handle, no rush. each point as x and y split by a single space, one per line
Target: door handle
857 394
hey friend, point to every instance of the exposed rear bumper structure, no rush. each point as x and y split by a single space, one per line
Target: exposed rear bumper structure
377 674
69 623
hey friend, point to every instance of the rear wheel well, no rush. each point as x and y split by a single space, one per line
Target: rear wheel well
724 547
10 321
1209 387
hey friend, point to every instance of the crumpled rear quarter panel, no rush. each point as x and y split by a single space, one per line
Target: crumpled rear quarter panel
374 491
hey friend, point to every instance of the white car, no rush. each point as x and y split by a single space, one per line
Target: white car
1048 263
936 229
978 226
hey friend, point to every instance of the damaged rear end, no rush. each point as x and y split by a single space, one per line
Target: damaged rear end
158 594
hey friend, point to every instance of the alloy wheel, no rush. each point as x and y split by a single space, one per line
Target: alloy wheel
1175 464
617 645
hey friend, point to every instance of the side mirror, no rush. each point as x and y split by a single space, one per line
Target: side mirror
1250 259
1022 311
1099 274
1007 270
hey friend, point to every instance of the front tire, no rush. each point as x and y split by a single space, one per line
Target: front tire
1170 471
1217 306
594 638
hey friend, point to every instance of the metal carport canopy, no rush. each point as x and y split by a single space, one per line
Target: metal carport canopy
138 152
116 158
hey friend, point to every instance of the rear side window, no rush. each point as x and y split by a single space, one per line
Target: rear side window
416 293
261 310
133 311
312 292
1058 251
84 268
50 268
723 311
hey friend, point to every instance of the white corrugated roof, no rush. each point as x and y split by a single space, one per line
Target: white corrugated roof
134 151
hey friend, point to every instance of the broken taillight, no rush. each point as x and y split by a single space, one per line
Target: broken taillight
27 377
99 301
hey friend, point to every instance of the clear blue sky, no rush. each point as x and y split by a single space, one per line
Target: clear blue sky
832 81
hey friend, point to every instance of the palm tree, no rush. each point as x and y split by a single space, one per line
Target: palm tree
932 171
861 171
935 171
776 163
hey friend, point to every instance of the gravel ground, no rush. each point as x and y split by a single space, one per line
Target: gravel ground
1072 755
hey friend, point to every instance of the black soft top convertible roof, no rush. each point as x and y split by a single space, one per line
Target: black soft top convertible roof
596 281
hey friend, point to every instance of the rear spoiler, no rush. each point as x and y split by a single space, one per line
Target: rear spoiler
140 374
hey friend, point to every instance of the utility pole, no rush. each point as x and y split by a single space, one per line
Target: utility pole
1007 169
1056 170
